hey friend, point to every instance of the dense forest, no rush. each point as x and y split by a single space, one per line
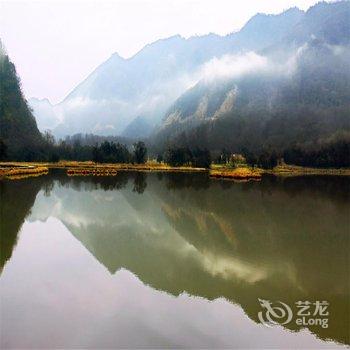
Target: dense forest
296 107
21 140
304 116
19 136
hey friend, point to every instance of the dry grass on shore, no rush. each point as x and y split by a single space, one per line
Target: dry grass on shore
242 173
91 171
148 166
75 168
15 173
294 170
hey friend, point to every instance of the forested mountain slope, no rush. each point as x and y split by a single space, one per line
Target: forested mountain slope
295 92
145 85
18 129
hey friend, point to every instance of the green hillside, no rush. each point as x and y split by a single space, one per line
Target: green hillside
298 102
18 129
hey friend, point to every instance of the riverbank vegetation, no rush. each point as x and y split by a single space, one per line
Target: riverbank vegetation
18 171
236 173
333 153
266 144
108 157
239 171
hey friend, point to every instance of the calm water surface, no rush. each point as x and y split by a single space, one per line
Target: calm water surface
171 260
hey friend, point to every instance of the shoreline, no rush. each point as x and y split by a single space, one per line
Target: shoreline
296 170
16 170
20 172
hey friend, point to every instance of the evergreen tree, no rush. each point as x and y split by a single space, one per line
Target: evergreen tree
140 152
18 128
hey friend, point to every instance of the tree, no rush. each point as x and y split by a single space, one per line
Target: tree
96 155
224 157
178 156
3 150
267 160
250 157
159 158
49 138
106 149
120 153
54 157
140 152
201 158
328 153
18 128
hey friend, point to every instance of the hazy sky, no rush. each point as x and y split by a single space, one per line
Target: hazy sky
56 44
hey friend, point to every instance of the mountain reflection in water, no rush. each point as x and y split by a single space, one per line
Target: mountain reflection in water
278 239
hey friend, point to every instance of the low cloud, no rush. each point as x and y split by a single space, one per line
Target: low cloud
237 66
233 66
103 127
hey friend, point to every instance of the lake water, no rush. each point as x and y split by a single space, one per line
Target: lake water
162 260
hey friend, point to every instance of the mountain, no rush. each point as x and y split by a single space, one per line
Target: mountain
120 90
140 127
18 128
329 22
296 91
46 118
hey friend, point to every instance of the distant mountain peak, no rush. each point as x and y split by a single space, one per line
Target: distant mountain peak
116 56
43 100
149 82
261 19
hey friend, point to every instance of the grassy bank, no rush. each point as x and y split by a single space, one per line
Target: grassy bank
15 172
91 168
91 171
242 172
293 170
280 170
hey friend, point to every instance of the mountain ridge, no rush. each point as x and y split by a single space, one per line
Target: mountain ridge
119 89
306 80
18 127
